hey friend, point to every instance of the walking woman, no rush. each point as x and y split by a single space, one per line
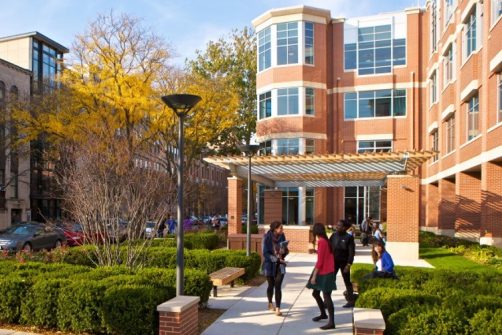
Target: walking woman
274 265
323 277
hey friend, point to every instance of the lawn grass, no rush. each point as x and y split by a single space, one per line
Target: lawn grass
442 258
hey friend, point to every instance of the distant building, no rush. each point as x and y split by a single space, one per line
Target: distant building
42 57
14 163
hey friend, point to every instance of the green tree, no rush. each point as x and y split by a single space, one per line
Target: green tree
231 61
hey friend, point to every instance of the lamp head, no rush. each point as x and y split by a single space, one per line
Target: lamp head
181 103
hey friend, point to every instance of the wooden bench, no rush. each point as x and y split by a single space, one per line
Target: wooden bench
368 321
225 276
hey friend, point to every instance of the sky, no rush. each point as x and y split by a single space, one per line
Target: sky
186 25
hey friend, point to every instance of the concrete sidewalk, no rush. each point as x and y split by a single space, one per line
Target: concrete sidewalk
247 306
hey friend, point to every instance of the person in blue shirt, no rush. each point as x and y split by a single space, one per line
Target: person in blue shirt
384 266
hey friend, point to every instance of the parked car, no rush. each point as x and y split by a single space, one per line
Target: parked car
31 237
74 234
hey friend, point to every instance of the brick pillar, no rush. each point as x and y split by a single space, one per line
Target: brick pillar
447 206
431 202
179 316
234 205
403 210
468 210
273 206
491 204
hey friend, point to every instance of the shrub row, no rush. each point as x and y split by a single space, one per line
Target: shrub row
165 257
113 300
428 301
198 240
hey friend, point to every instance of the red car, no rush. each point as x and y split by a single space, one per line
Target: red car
74 234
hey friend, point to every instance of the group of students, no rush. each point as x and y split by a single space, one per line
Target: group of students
333 254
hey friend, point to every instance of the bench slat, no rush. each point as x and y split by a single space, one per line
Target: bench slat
226 275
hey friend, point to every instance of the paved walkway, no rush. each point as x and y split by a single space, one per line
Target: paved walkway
247 306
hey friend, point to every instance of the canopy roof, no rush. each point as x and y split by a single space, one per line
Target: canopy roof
327 170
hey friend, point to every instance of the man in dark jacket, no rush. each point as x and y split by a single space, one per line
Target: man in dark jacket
344 250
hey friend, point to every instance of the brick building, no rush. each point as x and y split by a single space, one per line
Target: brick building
14 162
420 79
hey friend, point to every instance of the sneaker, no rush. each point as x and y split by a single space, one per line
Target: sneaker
348 305
328 326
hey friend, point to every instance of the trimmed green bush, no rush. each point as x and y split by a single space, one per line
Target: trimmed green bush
131 309
41 303
80 307
435 320
13 290
486 322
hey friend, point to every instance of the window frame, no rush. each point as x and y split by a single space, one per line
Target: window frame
366 96
450 134
472 105
435 144
448 65
499 101
470 34
311 97
433 88
287 45
266 32
495 4
375 146
263 98
306 46
288 95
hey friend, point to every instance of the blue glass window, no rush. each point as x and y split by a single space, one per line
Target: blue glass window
470 34
264 49
288 146
265 102
287 101
287 43
309 43
350 56
371 104
309 101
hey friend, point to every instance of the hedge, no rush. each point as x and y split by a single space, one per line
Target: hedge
112 300
429 301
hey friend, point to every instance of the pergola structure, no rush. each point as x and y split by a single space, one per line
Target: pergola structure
393 169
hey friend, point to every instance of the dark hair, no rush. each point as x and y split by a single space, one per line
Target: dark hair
274 225
374 254
319 231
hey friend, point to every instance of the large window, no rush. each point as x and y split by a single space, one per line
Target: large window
370 104
309 101
309 43
496 10
470 33
45 67
433 82
448 10
376 51
265 148
287 43
450 134
265 105
448 65
374 146
264 49
288 146
361 202
434 28
309 206
435 144
309 146
473 117
499 93
290 205
287 101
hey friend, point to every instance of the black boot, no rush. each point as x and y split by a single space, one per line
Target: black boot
331 319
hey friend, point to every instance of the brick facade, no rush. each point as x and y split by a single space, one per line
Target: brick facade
491 200
179 316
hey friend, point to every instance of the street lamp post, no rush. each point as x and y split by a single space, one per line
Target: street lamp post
249 150
181 104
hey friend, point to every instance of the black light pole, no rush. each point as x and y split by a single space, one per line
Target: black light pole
249 150
181 104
